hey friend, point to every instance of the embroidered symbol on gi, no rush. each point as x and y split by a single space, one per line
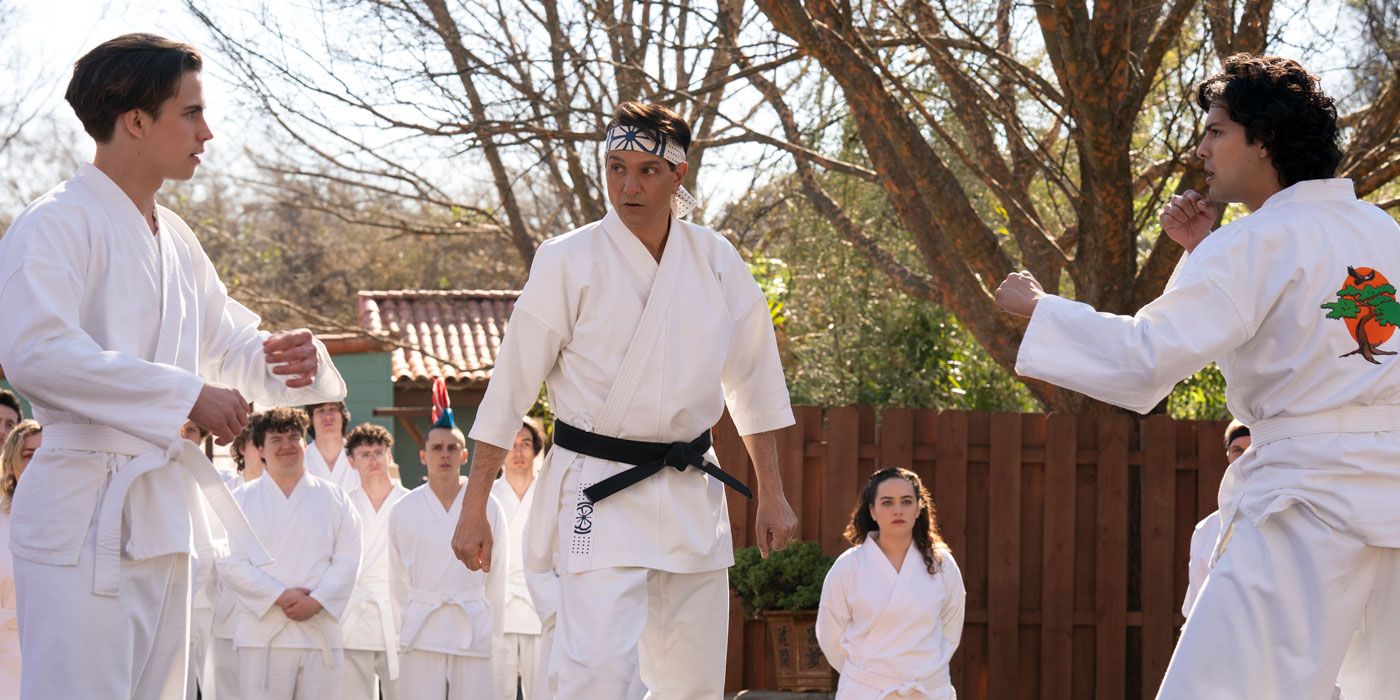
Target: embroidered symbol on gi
1367 303
583 518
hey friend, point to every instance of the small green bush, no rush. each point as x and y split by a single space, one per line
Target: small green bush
789 579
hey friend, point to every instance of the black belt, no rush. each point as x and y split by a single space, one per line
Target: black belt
649 458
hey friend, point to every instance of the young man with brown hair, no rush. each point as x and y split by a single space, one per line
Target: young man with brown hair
371 637
1292 302
288 633
645 328
327 457
118 329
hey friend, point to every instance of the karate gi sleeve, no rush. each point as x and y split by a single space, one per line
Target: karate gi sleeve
56 364
755 389
338 582
255 589
834 614
540 326
1132 361
500 568
955 606
231 351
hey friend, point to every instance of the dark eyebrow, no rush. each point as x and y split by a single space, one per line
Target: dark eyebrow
649 161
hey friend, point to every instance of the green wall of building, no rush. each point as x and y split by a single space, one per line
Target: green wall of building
367 378
28 410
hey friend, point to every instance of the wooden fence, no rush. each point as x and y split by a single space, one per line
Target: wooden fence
1072 533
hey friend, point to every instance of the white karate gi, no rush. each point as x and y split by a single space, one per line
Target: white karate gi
891 634
110 332
634 349
544 592
343 475
519 654
223 657
314 538
205 584
9 624
1310 527
371 636
1203 540
451 616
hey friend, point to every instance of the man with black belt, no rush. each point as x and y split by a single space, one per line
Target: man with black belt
644 327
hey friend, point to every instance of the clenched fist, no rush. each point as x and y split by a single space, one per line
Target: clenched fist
1019 293
1187 218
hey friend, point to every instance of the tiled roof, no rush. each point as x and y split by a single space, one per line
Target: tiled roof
454 334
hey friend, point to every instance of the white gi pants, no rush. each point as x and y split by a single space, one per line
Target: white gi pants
78 644
225 685
285 674
680 621
517 661
1278 612
201 642
429 675
366 674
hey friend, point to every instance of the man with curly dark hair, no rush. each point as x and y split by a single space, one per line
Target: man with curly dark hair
1293 303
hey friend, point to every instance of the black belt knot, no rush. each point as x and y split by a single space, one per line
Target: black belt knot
648 458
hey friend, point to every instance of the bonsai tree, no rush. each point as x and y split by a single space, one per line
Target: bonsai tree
789 579
1367 303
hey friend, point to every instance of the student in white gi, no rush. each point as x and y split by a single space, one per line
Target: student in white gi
1207 532
892 606
117 329
222 665
288 632
452 617
1293 304
644 327
326 457
371 635
517 661
15 452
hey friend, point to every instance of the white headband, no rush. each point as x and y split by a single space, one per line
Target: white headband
631 138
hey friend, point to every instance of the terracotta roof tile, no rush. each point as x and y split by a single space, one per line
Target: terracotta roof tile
453 334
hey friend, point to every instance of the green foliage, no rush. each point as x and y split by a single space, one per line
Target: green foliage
773 278
1199 397
847 335
789 579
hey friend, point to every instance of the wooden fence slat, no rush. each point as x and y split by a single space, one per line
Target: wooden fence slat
896 439
841 475
1111 581
950 495
1158 558
1057 602
809 506
1004 553
1211 462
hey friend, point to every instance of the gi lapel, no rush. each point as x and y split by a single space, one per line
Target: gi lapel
895 609
648 331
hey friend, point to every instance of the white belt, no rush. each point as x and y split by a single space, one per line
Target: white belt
327 655
890 686
147 457
438 600
1351 419
386 627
